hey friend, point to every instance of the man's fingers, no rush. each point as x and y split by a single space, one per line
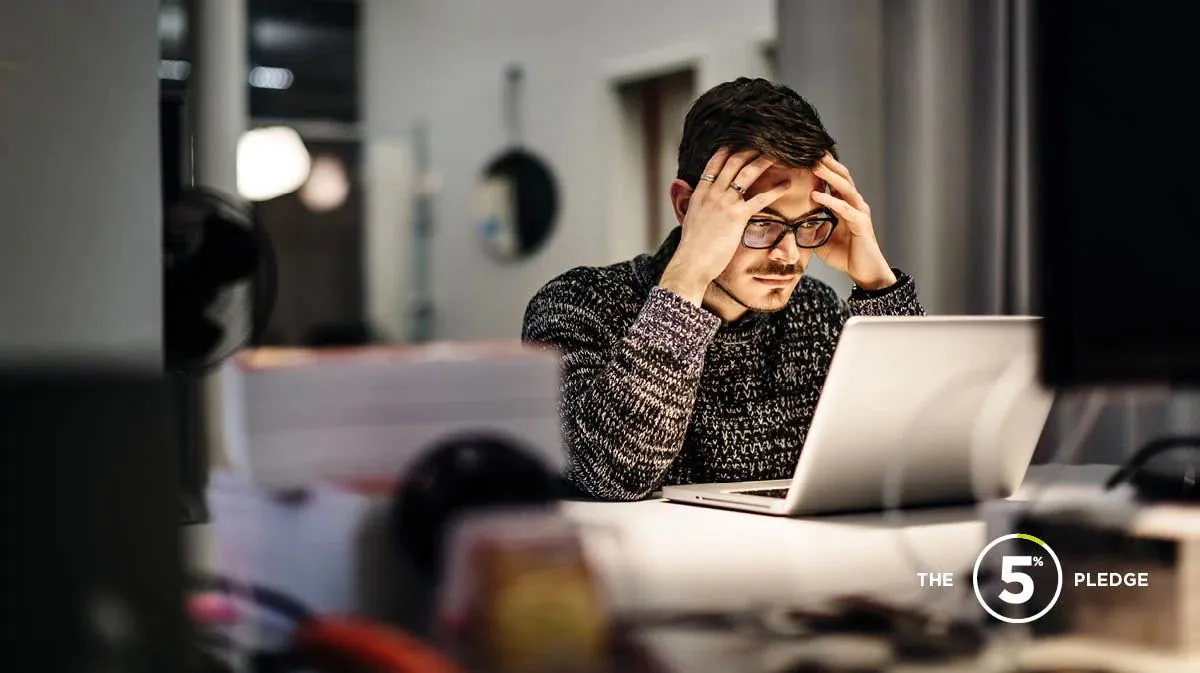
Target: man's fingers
732 167
713 168
837 167
843 210
717 161
840 185
764 199
751 172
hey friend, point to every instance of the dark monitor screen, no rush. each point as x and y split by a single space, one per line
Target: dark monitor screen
1117 183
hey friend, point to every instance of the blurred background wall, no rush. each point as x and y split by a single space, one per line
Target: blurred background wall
442 64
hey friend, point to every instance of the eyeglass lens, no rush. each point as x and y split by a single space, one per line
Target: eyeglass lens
768 233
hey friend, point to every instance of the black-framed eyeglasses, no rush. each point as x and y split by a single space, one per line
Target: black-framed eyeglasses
811 232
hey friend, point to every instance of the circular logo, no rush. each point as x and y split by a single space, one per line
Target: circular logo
1013 578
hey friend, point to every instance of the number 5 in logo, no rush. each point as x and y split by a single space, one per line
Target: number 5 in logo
1025 590
1010 576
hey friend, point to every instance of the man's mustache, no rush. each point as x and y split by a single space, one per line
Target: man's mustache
777 269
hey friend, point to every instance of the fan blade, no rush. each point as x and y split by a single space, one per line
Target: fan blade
191 338
229 252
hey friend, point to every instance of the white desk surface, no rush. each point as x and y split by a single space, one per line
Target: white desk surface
659 554
669 555
662 554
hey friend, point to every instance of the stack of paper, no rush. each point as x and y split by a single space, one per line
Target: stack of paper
297 416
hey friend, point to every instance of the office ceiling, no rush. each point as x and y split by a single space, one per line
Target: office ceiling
302 55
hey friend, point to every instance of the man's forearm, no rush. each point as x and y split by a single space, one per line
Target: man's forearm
625 416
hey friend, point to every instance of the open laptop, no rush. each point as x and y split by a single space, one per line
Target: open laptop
954 403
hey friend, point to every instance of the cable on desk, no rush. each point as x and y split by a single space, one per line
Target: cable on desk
265 597
1157 488
1069 450
322 642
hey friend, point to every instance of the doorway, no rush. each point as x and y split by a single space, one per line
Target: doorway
653 110
319 254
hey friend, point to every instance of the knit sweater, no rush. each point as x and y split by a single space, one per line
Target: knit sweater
656 390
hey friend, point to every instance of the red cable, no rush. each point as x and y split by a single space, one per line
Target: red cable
382 648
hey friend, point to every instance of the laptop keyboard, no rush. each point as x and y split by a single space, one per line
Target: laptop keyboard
767 492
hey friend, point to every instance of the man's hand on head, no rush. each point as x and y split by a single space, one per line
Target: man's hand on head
715 220
853 247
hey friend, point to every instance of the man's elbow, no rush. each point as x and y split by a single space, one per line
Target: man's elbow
609 487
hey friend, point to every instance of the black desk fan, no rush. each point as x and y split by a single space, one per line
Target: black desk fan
219 284
213 246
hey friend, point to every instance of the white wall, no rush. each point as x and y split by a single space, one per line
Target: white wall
443 61
80 251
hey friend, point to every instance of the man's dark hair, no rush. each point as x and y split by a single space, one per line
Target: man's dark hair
752 114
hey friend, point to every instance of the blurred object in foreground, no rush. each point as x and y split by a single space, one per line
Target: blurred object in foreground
219 283
92 577
462 475
1130 572
523 587
219 280
311 641
299 416
354 644
520 596
305 544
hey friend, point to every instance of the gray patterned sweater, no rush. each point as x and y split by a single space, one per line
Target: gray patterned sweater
657 391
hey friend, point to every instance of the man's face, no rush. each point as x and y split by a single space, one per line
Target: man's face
764 279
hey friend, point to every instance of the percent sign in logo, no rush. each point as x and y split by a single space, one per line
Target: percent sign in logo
1022 566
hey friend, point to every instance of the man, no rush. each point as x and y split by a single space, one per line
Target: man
703 362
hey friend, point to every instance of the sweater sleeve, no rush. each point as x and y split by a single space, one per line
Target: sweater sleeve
898 299
626 398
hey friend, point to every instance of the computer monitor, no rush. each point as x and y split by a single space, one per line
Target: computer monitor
1117 188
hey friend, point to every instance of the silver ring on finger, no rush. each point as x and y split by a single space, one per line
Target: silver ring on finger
737 188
